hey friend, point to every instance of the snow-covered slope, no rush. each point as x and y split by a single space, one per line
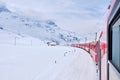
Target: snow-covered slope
45 63
44 30
3 7
11 38
21 60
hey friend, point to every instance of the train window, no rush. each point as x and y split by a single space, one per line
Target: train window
116 44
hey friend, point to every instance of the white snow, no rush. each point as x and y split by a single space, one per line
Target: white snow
42 62
45 63
7 37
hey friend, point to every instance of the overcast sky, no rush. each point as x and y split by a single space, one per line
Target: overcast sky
82 16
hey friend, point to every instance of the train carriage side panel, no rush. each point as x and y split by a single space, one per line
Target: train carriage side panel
114 42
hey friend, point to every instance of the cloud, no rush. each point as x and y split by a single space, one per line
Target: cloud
73 15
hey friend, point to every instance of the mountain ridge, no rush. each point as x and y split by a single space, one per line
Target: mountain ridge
44 30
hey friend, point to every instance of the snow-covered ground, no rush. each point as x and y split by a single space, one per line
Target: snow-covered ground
27 58
45 63
11 38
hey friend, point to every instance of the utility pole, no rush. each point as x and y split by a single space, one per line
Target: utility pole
85 40
99 59
95 36
79 40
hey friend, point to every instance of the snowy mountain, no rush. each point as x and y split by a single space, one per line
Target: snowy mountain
3 7
45 30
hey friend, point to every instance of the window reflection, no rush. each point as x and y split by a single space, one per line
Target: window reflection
116 44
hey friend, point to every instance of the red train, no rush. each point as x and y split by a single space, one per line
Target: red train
106 50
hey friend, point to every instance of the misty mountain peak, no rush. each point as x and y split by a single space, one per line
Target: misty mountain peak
3 7
46 30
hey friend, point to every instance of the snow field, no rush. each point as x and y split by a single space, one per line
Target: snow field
45 63
28 58
10 38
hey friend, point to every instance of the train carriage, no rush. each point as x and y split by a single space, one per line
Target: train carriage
106 50
113 34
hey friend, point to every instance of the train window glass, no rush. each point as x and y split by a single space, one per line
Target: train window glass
116 44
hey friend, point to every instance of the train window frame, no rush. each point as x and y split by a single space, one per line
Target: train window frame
110 37
116 45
